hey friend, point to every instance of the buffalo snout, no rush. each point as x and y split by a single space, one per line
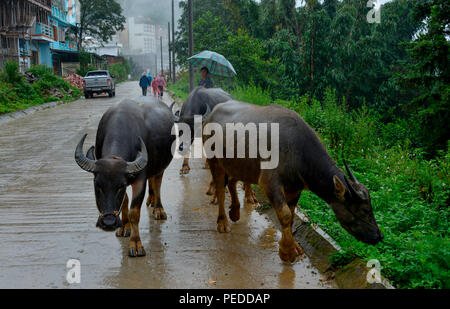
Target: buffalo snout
109 223
374 238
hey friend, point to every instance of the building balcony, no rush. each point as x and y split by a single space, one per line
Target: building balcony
43 32
45 4
67 46
60 15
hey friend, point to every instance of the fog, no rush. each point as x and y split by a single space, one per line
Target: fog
160 11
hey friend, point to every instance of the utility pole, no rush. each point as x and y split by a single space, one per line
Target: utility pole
170 57
174 77
156 64
162 65
191 44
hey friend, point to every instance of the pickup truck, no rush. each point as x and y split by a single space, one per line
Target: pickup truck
100 81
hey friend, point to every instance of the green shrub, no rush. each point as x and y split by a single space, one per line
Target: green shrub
252 93
20 94
120 71
181 87
11 73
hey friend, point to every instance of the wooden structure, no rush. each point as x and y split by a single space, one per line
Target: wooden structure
17 21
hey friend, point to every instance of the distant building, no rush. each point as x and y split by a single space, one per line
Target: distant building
112 48
34 32
141 35
141 41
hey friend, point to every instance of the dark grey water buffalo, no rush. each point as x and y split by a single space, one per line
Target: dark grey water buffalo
133 146
304 164
202 101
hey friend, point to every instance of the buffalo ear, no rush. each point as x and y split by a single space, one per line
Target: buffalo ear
357 192
91 153
339 188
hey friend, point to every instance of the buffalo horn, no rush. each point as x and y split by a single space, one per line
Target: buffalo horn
176 115
86 164
352 177
141 162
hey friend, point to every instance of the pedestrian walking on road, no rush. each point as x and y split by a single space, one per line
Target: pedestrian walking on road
144 83
155 87
161 84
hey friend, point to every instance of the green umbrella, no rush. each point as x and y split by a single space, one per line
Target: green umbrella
216 63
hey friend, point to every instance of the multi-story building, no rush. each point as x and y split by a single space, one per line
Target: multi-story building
64 51
141 40
18 21
34 32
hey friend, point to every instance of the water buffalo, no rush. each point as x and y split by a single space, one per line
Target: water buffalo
304 164
197 104
133 146
202 101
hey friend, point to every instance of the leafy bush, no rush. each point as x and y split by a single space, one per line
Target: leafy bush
11 73
120 71
17 94
181 87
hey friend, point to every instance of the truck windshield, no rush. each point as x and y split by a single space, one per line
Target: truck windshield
96 74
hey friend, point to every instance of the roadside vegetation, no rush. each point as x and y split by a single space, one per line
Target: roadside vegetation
376 94
38 86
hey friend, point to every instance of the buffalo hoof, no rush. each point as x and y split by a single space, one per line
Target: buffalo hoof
235 213
290 253
159 214
123 232
211 190
213 200
137 252
251 200
223 227
185 170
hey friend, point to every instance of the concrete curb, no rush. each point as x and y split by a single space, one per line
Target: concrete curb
20 114
319 247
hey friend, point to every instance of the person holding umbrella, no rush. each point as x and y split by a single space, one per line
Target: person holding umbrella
206 81
211 63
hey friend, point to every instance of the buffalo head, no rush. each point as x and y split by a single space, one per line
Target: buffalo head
189 119
111 178
353 209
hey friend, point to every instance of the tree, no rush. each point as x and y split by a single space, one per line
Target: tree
99 19
428 72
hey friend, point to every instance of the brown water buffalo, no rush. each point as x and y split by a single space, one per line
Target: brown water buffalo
133 146
304 164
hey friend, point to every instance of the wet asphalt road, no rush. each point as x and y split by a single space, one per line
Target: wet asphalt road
48 216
